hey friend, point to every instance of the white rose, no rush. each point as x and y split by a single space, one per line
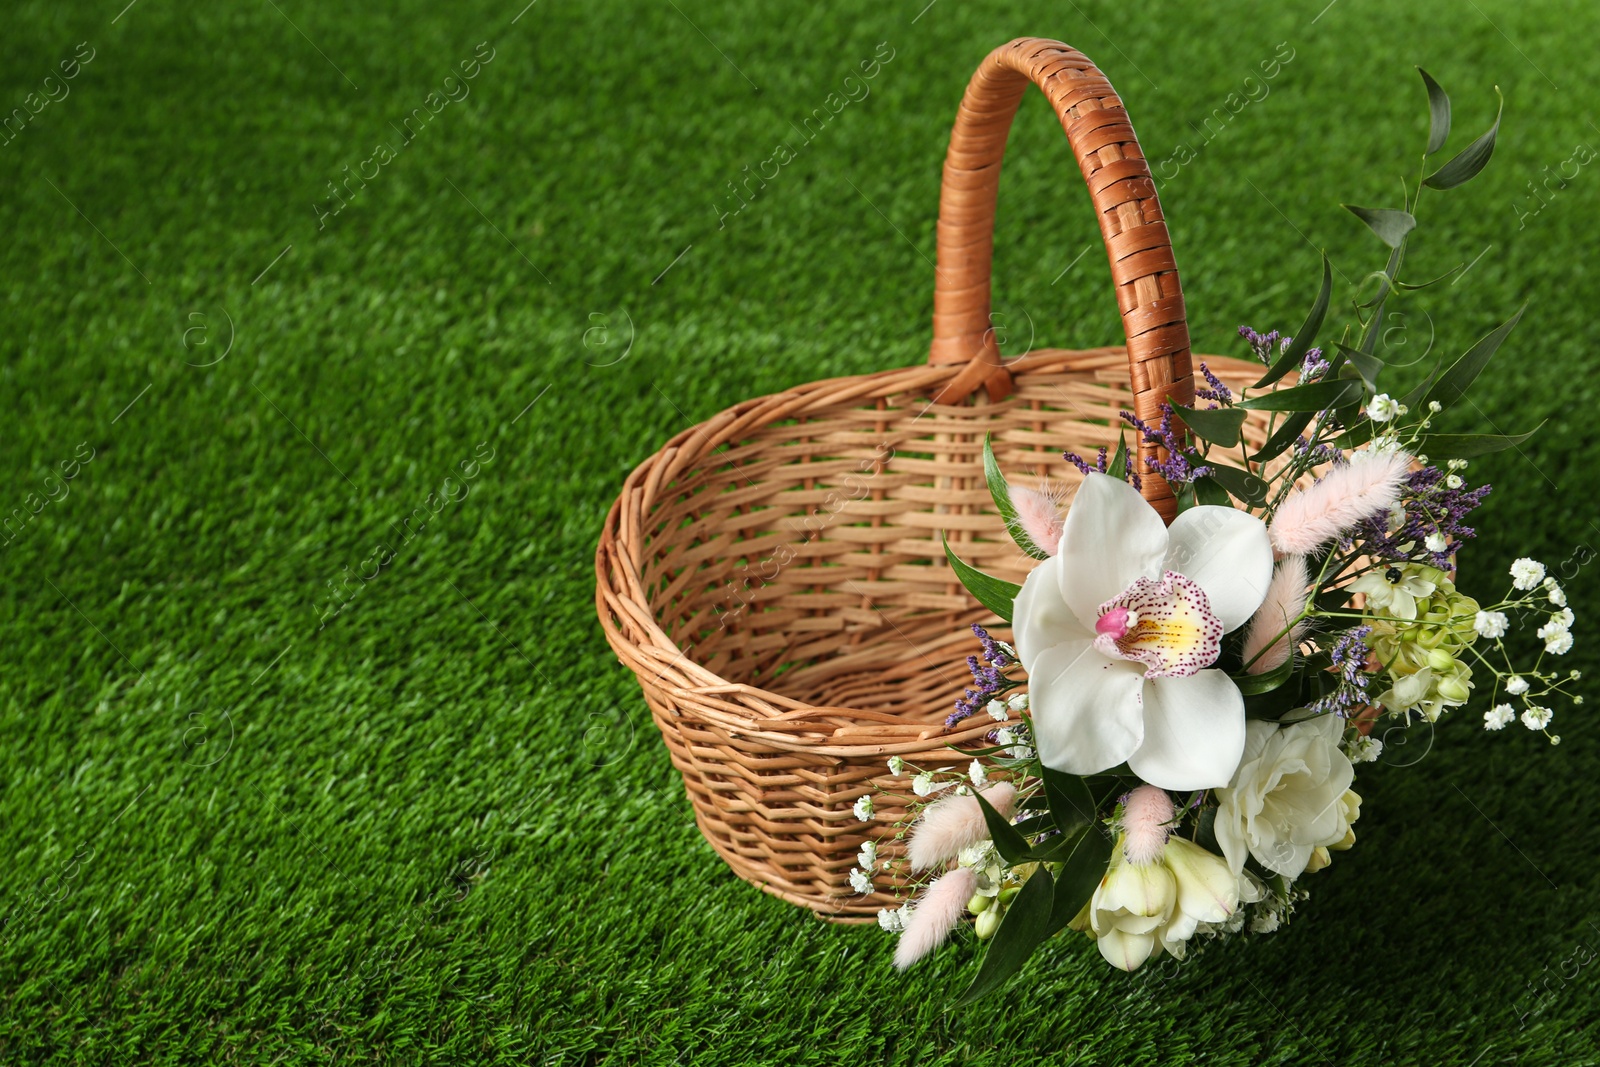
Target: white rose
1287 797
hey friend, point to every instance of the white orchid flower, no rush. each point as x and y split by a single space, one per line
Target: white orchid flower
1118 629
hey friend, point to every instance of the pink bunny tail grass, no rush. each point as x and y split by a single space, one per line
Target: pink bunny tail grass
1039 516
954 822
934 915
1311 517
1146 821
1286 597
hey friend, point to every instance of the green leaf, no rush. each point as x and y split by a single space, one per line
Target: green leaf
1220 426
1283 437
1470 160
1078 876
1001 492
1119 462
1391 270
1438 112
1242 484
1025 927
1295 354
1366 365
1210 491
1454 383
1008 840
1467 445
1070 800
1390 225
1314 397
1266 681
993 593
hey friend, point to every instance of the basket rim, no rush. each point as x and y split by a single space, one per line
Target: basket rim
620 593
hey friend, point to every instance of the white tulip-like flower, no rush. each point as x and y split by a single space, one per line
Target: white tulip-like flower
1289 796
1119 629
1141 909
1382 408
1394 590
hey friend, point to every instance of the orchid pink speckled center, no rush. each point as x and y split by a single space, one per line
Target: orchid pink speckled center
1166 625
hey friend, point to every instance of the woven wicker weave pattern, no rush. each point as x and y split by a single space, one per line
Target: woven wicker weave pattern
1126 206
775 577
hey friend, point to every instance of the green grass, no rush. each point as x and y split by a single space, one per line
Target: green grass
440 828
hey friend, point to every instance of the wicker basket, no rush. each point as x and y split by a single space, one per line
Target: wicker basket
774 576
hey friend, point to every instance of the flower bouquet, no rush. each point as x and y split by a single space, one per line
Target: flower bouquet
1186 706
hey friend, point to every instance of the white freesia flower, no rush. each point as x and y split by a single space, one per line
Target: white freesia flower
1118 629
1141 909
1516 685
1288 797
1490 623
1394 590
1526 573
1498 717
1382 408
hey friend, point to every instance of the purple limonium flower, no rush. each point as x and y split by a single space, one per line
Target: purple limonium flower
1216 391
1182 465
1431 508
1100 466
1260 343
988 678
1349 655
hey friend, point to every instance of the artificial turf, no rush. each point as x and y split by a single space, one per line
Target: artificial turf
435 825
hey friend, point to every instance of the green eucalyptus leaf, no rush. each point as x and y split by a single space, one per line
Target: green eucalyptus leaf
1283 437
1310 398
1454 383
1000 491
1295 354
1008 840
1466 164
1438 112
1438 446
1266 681
1070 800
1210 491
1118 468
1080 873
1241 484
1390 225
1026 926
997 595
1220 426
1365 365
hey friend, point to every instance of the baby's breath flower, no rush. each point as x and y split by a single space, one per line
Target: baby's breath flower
978 775
1558 644
1453 481
863 808
1516 685
1536 717
861 882
1436 542
1490 623
997 710
922 784
1365 750
1498 717
1018 702
897 766
893 920
1526 573
868 854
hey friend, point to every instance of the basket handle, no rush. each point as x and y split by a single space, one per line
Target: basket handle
1131 223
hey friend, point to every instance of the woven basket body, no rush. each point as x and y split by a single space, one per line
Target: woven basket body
775 576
